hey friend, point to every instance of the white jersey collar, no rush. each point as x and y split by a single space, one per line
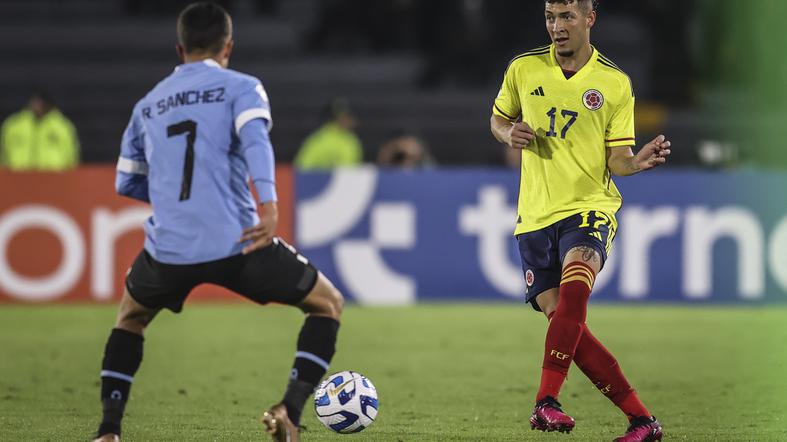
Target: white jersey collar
208 62
211 62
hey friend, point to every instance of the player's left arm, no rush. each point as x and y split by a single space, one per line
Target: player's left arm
258 152
252 116
619 139
622 161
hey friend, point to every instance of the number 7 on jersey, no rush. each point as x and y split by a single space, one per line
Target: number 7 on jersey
188 127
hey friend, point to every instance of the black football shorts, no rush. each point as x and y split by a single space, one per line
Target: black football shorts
276 273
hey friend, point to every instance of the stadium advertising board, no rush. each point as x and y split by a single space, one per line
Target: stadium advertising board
397 237
394 237
68 237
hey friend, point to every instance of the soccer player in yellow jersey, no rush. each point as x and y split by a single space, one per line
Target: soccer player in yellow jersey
571 112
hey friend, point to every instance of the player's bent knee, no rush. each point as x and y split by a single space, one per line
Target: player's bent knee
548 301
324 300
335 302
132 326
132 316
549 310
134 322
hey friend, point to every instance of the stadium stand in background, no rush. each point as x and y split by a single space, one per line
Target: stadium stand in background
401 63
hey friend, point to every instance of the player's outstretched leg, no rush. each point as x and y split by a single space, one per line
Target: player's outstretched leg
601 367
565 328
122 357
315 348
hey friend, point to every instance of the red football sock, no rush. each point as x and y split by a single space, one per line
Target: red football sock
603 370
565 327
633 407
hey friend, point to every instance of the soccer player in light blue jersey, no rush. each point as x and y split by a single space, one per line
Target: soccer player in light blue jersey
190 149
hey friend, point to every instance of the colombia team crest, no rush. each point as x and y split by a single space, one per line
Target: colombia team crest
529 277
593 99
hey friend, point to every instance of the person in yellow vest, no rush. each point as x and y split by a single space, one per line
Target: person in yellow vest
38 137
334 144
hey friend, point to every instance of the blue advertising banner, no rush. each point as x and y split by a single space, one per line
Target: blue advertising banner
396 237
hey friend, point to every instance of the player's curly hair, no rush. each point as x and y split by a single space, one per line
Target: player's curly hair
592 4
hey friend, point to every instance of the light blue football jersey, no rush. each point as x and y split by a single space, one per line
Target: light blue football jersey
190 149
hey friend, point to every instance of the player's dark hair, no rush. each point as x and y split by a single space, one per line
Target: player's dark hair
204 27
592 4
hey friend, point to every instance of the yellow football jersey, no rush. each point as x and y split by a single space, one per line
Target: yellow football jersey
564 171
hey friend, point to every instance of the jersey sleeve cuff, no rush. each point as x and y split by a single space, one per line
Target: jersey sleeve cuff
266 190
251 114
620 142
127 165
496 110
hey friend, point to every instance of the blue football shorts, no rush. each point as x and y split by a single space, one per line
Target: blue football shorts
543 250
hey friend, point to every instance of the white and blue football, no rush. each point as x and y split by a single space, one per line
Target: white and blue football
346 402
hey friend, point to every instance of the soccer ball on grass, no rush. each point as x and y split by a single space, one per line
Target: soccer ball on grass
346 402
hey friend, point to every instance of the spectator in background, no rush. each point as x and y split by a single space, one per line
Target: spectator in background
405 150
335 143
38 137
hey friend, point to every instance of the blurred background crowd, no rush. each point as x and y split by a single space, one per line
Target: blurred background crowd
394 82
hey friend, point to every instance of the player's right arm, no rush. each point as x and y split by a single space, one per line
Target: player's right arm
132 167
506 112
517 135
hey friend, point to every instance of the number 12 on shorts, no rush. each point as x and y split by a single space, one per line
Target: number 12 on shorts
599 219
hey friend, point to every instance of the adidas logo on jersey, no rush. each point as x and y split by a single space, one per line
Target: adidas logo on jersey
539 92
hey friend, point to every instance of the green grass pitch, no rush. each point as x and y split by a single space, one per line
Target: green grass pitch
444 372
